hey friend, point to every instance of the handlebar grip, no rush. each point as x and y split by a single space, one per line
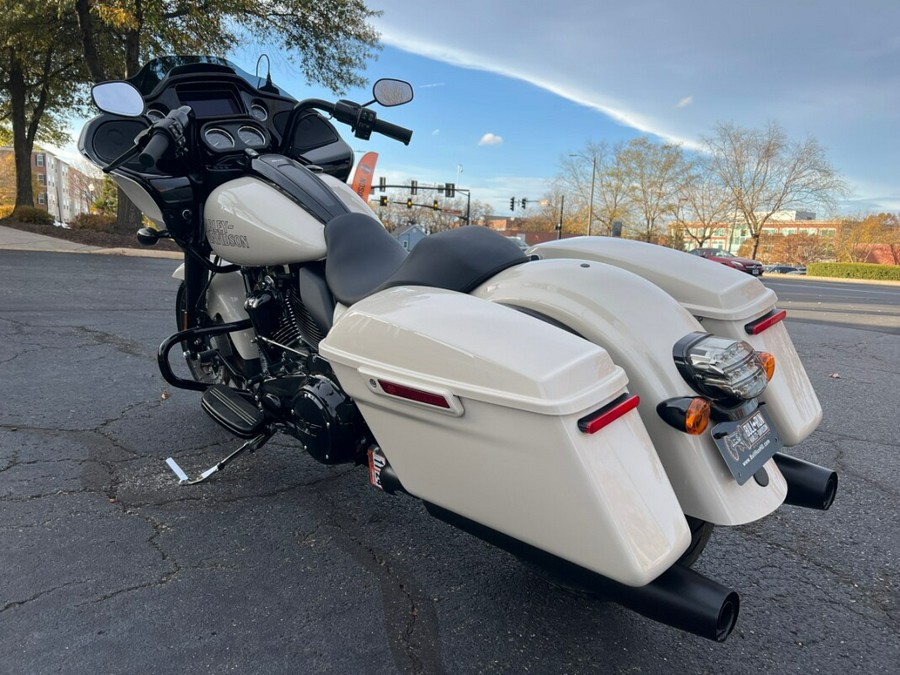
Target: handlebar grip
154 150
394 131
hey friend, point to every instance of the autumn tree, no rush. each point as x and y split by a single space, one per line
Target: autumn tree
765 172
857 237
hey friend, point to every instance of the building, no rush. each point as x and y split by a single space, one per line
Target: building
730 236
62 190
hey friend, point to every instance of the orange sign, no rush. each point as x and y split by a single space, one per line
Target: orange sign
362 179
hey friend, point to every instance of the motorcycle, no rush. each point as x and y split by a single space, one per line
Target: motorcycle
594 406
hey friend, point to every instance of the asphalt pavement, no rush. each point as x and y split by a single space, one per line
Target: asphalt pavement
282 565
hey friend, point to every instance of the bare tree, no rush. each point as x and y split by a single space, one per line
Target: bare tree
703 202
597 167
766 172
655 174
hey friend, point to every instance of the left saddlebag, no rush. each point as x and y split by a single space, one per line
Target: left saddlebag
498 416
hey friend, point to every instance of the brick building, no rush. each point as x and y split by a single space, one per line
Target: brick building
61 189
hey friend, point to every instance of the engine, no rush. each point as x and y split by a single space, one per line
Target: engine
301 391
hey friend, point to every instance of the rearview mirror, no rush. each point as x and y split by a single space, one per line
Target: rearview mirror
118 98
392 92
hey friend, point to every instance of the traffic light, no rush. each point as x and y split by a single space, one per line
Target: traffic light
512 203
409 202
435 205
449 190
382 183
524 202
414 187
382 201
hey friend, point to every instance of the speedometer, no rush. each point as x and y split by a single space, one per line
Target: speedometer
219 139
251 137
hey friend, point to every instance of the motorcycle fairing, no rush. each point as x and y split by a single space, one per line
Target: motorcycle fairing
638 329
725 301
506 450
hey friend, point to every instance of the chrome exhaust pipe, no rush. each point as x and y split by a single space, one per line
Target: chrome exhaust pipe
809 485
680 597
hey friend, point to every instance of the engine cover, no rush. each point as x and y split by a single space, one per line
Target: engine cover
327 421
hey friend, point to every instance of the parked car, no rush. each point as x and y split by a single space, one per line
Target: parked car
785 269
719 255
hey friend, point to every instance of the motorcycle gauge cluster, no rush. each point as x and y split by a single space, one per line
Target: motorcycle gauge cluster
232 136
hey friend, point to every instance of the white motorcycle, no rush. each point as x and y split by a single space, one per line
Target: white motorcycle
594 407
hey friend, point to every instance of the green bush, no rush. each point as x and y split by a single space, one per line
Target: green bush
29 214
95 222
854 271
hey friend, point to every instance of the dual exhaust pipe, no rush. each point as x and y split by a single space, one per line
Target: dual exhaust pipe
680 597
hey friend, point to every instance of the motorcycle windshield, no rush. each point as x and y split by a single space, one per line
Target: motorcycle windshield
155 71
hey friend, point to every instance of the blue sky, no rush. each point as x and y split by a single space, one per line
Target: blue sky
545 78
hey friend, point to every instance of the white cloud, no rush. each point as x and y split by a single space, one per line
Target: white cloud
831 74
490 139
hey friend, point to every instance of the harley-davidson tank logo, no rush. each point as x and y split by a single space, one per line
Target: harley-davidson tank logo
217 231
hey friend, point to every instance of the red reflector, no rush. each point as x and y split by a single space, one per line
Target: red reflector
411 394
767 321
609 414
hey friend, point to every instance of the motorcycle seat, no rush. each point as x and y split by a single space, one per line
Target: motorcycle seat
363 258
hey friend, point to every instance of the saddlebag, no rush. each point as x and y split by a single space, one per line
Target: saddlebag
726 302
479 409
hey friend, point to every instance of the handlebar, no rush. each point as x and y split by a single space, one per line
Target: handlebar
362 120
394 131
154 150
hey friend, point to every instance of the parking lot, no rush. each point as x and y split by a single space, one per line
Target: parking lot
283 565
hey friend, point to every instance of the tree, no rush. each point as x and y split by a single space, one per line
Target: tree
703 203
857 237
596 166
331 40
654 174
40 77
765 172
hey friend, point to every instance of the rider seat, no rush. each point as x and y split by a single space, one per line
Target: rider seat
363 258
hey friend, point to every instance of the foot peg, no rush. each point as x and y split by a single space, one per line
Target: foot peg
234 410
252 445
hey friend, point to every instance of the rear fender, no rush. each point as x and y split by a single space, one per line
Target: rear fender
637 323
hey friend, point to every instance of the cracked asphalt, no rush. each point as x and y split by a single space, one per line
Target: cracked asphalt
282 565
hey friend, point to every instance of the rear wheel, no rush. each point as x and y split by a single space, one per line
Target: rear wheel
700 534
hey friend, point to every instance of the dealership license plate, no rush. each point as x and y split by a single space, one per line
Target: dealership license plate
747 444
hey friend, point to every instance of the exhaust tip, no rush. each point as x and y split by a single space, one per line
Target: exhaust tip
728 615
829 492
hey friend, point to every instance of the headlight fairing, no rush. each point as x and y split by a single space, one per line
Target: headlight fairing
720 368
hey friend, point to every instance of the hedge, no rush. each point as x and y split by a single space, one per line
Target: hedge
854 271
29 214
95 222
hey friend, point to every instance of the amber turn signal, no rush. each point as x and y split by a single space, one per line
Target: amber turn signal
767 361
688 414
697 417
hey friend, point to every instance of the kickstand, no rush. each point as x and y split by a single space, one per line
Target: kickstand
252 445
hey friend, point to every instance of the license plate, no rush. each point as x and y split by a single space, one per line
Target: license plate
755 272
747 444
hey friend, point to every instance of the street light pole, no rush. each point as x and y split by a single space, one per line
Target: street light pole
591 202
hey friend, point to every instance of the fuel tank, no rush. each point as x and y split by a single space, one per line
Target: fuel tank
251 222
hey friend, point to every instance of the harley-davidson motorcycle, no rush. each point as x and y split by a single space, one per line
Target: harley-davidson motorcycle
595 406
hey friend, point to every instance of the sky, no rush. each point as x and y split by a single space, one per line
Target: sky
506 90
